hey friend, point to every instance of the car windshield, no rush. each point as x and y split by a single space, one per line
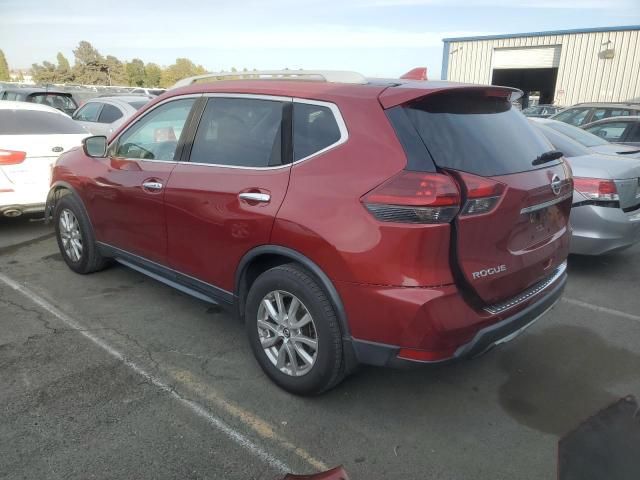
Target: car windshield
579 135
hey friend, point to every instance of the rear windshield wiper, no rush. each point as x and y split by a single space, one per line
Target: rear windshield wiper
547 157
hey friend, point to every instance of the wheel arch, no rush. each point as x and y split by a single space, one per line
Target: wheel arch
264 257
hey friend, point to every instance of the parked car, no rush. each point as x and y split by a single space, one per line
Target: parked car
541 111
606 200
103 115
584 113
32 137
154 92
59 100
593 142
625 130
313 209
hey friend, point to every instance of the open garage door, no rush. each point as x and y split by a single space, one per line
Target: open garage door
534 70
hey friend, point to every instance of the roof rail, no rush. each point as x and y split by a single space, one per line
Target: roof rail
332 76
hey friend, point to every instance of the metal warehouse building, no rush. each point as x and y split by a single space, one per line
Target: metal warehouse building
562 67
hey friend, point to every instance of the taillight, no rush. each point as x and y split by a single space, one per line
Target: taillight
482 194
597 189
414 197
11 157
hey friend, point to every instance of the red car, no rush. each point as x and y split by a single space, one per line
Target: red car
345 220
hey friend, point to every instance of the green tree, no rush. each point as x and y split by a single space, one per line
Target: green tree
116 72
45 73
181 69
90 67
5 75
152 75
63 73
135 72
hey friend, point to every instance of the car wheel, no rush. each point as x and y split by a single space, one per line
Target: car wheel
293 331
75 237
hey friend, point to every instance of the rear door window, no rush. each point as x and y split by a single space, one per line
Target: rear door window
243 132
634 135
109 114
34 122
89 112
314 129
475 133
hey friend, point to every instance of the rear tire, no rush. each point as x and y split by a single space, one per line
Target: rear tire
75 237
300 315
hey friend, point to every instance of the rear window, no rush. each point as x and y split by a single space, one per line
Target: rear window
566 145
32 122
109 114
55 100
579 135
137 105
477 134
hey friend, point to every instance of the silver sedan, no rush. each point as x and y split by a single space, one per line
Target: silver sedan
605 215
103 115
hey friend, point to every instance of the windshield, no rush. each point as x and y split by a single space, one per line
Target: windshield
476 134
581 136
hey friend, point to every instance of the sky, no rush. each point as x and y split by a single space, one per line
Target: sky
373 37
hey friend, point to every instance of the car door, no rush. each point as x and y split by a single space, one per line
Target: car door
127 200
222 202
87 116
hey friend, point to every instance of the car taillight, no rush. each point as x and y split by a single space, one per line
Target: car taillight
11 157
596 189
482 194
414 197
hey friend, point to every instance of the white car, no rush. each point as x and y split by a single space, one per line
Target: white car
32 137
103 115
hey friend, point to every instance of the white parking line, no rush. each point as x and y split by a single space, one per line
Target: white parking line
195 407
598 308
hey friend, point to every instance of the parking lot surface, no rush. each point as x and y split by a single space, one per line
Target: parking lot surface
114 375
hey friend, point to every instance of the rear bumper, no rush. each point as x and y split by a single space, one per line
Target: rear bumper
487 333
601 230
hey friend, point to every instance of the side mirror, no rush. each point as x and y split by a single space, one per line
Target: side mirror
95 147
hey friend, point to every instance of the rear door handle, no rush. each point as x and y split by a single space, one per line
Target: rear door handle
153 186
255 197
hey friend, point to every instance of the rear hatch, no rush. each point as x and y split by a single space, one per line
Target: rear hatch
31 141
512 229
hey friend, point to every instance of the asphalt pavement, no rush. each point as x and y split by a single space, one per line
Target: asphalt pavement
114 375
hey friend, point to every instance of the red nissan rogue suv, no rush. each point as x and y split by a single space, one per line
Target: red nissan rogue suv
345 220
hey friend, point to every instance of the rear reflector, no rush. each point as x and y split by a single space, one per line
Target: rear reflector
482 194
414 197
11 157
426 355
596 189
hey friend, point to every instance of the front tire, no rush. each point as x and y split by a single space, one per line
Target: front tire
294 332
75 237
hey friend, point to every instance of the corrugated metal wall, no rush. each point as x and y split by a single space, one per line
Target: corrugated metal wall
582 75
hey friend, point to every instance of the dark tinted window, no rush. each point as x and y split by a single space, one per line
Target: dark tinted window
634 136
156 91
568 146
109 114
33 122
155 136
88 113
240 132
476 133
314 129
55 100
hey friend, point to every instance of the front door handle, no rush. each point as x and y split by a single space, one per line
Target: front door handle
255 197
152 186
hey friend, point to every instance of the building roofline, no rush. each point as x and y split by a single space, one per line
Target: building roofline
541 34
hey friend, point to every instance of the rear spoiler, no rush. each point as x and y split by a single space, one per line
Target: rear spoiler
409 91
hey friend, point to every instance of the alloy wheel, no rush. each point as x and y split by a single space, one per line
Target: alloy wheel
70 235
287 333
